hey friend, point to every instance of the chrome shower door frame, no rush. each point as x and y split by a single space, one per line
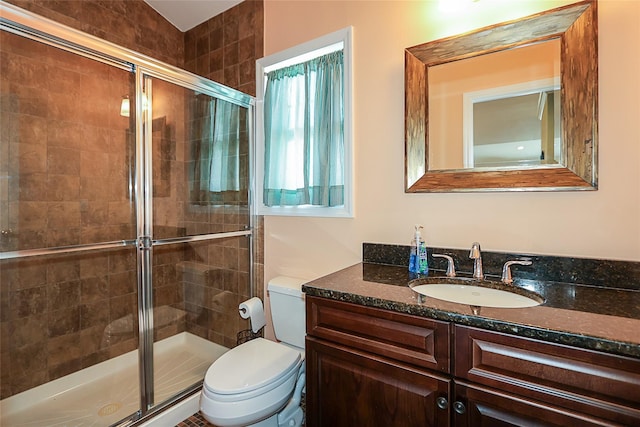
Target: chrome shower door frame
21 22
144 203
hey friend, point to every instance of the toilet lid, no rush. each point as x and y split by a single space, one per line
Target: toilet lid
251 365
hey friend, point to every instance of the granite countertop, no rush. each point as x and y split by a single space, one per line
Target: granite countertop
591 317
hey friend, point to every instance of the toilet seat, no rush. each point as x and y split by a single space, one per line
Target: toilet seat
251 369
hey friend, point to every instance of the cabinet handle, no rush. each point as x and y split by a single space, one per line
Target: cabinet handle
459 407
442 402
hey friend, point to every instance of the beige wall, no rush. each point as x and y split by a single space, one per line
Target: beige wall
600 224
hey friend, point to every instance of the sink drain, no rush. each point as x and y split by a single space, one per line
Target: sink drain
109 409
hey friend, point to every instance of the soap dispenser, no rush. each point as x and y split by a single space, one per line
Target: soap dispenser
418 257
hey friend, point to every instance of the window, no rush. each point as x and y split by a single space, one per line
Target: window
304 144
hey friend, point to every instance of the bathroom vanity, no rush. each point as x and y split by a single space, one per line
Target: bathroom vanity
378 355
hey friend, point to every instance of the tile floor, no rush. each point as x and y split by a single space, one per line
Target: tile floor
196 420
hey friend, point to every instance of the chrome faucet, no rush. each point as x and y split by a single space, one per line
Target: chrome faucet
451 268
476 256
506 269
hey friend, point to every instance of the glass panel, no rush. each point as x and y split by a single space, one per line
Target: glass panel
197 288
69 338
200 178
66 152
69 325
200 163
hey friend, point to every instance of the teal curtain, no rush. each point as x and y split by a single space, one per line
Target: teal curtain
218 158
304 133
224 167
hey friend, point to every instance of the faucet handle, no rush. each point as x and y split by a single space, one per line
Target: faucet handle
506 269
451 269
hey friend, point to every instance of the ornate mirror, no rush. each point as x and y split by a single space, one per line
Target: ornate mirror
508 107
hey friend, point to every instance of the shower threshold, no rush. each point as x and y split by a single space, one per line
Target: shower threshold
108 392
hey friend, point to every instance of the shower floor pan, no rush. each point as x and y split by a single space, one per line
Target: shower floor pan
107 392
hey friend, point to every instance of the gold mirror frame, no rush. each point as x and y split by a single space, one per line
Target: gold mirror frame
576 26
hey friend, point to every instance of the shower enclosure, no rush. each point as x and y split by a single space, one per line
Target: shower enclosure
125 226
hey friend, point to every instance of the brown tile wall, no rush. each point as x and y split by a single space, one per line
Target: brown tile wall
129 23
212 278
225 48
68 163
67 166
168 141
217 272
216 281
61 314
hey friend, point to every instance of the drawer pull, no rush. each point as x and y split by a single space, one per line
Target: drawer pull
442 402
459 407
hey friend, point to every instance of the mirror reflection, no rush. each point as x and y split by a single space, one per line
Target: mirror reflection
517 130
499 110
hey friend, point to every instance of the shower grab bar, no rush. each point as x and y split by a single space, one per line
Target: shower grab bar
65 249
117 244
200 237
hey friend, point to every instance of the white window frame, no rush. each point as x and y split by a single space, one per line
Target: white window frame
293 55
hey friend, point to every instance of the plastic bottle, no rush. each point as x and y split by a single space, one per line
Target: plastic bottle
418 257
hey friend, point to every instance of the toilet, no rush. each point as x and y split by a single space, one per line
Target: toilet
260 382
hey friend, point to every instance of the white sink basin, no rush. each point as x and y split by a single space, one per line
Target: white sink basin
475 295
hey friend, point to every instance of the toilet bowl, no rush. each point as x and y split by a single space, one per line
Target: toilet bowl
260 382
250 383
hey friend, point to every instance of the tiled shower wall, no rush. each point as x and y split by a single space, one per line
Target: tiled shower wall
66 170
129 23
225 49
57 313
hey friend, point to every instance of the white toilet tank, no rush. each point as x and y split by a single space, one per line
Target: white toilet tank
288 309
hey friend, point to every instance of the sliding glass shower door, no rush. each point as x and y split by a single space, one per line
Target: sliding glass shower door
125 227
199 226
67 242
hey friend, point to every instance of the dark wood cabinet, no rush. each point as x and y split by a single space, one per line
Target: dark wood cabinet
478 406
373 367
594 387
410 339
353 388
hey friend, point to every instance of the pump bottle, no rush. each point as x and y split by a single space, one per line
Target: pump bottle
418 257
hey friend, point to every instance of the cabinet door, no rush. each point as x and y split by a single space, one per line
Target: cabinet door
403 337
346 387
596 384
480 406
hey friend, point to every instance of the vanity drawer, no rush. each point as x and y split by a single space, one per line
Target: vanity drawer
403 337
588 381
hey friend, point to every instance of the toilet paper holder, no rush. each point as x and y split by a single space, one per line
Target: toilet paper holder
253 310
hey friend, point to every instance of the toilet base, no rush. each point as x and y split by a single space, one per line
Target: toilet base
272 421
288 416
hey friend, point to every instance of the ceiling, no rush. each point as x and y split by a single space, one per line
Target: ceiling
186 14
